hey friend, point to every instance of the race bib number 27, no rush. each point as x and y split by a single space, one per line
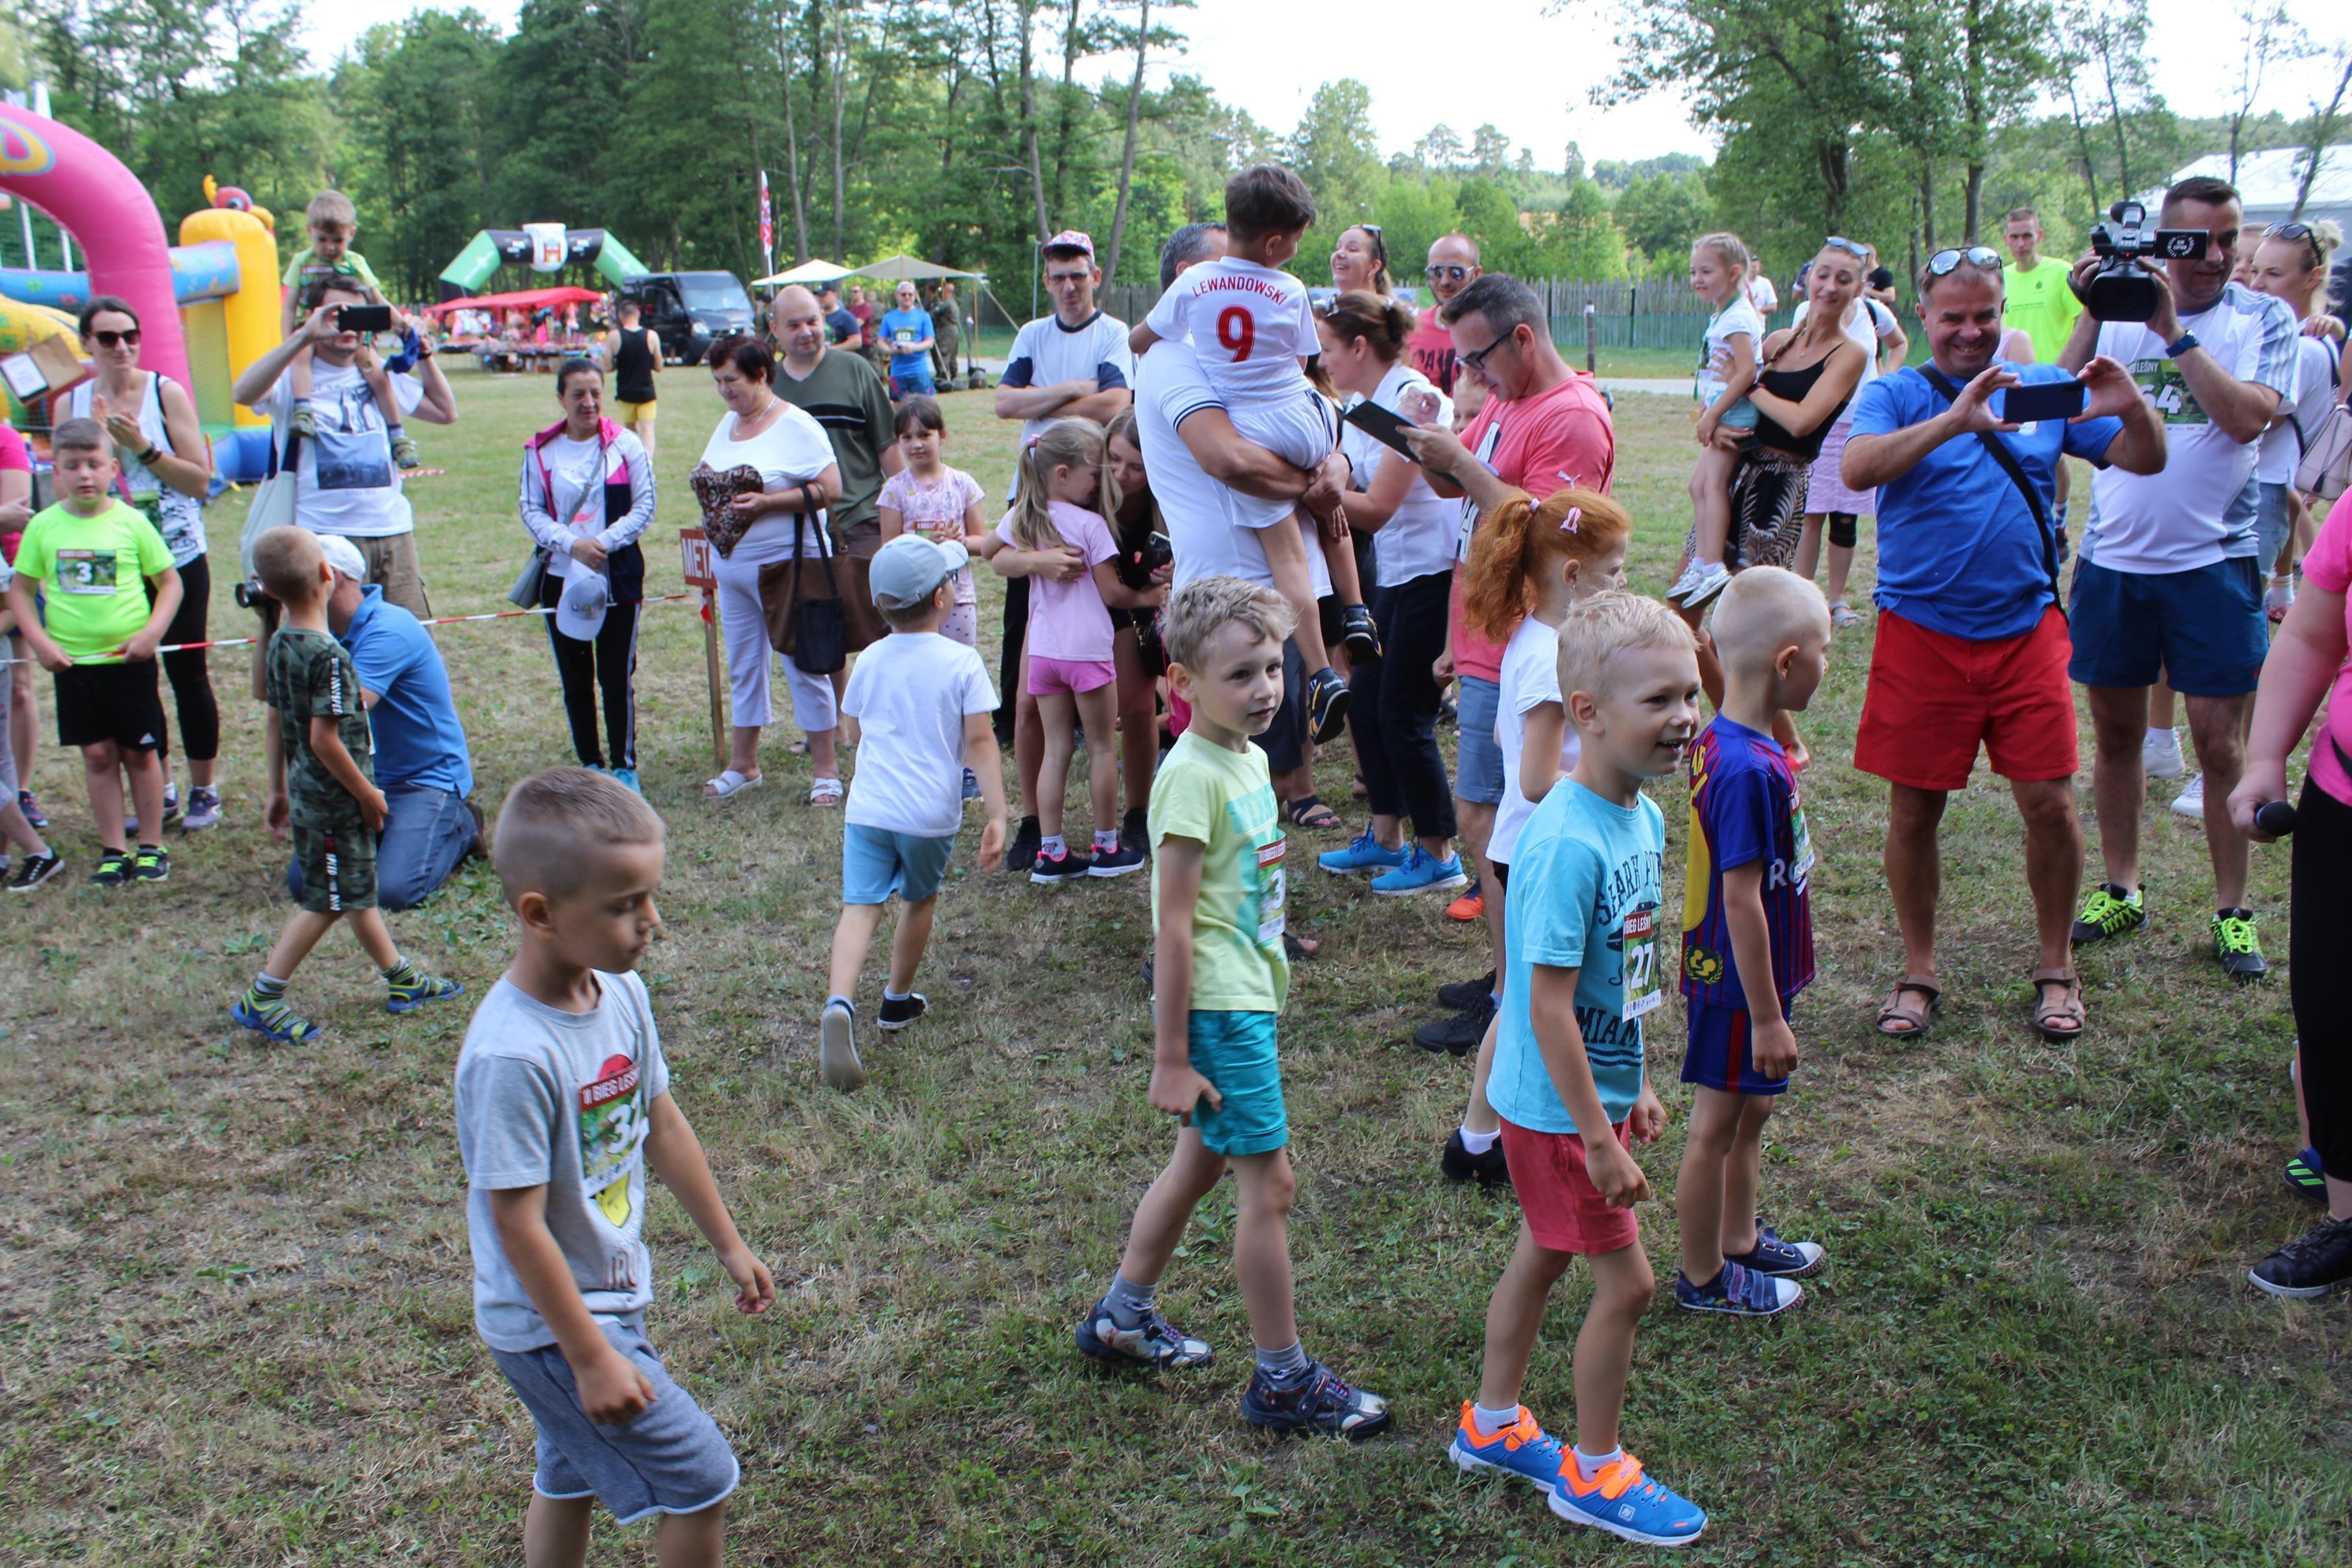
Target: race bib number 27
1644 989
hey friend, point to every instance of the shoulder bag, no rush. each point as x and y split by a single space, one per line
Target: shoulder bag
274 499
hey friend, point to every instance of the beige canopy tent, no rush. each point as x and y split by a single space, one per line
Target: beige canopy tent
904 268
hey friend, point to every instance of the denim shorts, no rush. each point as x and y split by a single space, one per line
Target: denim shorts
877 863
1478 760
1235 1051
2203 630
671 1459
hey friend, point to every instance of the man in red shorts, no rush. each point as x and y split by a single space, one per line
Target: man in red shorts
1972 646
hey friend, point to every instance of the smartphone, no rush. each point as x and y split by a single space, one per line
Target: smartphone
2029 404
364 318
1382 424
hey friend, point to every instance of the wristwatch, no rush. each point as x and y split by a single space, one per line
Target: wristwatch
149 457
2186 342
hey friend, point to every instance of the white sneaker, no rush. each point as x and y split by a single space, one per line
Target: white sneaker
2190 801
2159 755
1690 578
2278 598
1714 578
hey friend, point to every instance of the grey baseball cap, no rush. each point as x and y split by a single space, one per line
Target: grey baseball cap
909 569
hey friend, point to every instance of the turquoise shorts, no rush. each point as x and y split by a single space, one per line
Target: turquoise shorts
1235 1051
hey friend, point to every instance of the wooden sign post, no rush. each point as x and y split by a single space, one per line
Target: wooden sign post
703 571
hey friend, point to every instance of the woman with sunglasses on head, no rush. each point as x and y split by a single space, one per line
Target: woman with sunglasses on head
2290 260
1359 259
166 472
1829 505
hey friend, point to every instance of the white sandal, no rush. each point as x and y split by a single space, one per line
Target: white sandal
1842 615
825 792
731 783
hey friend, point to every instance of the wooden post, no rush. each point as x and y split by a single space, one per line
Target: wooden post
1590 359
701 572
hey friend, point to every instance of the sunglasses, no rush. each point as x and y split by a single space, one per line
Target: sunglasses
1852 247
127 339
1976 256
1456 273
1477 361
2298 231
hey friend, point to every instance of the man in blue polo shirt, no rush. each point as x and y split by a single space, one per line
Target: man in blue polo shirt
422 764
1972 645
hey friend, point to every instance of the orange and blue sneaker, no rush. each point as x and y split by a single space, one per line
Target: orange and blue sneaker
1523 1450
1626 1503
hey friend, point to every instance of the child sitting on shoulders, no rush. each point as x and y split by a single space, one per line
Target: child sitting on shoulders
1748 943
563 1101
334 224
927 497
1218 886
1727 370
923 704
1580 951
315 700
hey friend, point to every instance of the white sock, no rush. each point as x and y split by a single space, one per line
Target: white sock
1590 1466
1489 1422
1050 846
1479 1143
1106 839
890 996
2163 729
844 1001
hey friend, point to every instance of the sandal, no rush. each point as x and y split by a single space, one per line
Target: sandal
1911 1017
2062 1020
1842 615
730 784
825 792
1309 811
1295 949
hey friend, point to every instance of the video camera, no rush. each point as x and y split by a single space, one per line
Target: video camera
2121 289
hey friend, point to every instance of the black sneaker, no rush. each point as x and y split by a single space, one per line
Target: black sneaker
1362 635
113 870
2306 1175
1116 861
898 1012
1459 1035
1023 855
150 865
2238 946
2110 911
2311 1265
1327 704
1460 994
1318 1402
1489 1170
1067 866
1135 831
35 871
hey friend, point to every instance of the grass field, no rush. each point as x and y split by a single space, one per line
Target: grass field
235 1310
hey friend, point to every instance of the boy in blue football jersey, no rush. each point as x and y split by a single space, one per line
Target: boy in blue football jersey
1748 943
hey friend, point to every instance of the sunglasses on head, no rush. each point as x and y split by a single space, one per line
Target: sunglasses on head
1438 270
1851 247
127 339
2294 231
1976 256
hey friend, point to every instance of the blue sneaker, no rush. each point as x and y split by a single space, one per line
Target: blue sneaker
407 996
1319 1402
628 776
971 785
1626 1503
1522 1449
1782 1259
1364 853
1155 1343
1421 872
273 1017
1739 1292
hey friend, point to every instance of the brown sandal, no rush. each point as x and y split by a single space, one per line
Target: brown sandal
1911 1015
2058 1022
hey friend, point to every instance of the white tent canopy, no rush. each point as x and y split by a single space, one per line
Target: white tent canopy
819 271
2267 183
898 267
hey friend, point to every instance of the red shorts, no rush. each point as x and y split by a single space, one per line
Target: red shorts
1933 699
1563 1210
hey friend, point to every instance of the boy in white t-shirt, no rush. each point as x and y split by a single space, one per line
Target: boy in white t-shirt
922 702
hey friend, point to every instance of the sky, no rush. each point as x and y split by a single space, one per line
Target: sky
1262 68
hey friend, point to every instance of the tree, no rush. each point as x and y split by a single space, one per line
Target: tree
1490 150
1574 167
2325 123
1334 151
2265 36
1661 215
1441 149
414 98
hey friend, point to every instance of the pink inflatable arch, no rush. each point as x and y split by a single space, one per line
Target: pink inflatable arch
110 215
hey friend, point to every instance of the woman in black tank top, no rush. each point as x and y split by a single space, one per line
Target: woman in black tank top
1798 396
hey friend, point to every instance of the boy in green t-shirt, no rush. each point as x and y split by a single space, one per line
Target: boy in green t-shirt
96 558
1217 888
334 224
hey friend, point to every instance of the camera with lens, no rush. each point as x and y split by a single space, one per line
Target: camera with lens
2122 290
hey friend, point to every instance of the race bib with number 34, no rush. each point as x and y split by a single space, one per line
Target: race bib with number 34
1643 990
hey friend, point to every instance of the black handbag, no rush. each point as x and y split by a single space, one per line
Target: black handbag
807 623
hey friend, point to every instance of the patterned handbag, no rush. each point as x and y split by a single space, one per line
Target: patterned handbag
723 521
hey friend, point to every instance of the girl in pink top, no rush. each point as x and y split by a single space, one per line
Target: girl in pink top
1054 537
931 498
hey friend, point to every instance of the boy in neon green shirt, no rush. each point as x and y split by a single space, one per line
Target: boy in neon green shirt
96 558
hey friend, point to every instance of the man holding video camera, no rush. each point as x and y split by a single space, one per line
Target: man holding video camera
2169 588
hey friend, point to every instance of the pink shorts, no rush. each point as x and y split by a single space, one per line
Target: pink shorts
1048 676
1563 1210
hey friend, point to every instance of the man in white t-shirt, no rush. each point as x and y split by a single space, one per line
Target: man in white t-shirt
346 482
2169 589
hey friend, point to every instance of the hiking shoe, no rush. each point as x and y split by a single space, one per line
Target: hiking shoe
1327 703
2311 1265
1459 1035
898 1012
1523 1450
837 1047
1782 1259
1739 1292
29 804
1067 866
2237 945
1421 872
1154 1343
203 810
1135 831
1626 1503
407 996
1364 854
1022 853
1686 582
404 453
2305 1177
149 864
2190 801
2159 754
1460 994
1317 1402
35 869
1713 580
1489 1170
1469 908
113 870
1361 634
1116 861
2110 911
628 778
274 1019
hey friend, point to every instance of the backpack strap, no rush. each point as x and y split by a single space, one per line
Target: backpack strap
2017 476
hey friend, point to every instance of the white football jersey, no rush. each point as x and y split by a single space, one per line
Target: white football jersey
1249 325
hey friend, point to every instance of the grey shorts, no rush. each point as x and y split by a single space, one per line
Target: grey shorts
671 1459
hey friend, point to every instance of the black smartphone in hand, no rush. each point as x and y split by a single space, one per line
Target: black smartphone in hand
364 318
1384 425
2053 400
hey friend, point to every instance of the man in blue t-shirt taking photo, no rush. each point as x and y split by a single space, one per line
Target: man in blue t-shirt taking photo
1972 645
907 332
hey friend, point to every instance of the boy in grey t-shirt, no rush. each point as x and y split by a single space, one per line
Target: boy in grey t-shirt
562 1103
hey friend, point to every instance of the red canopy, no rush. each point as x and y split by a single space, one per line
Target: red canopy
526 299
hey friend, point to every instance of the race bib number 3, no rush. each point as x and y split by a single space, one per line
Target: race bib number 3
86 571
1643 990
1273 890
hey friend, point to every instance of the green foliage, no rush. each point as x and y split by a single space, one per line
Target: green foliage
1662 213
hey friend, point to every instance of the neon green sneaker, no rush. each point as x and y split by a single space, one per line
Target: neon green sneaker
2109 911
2237 945
414 988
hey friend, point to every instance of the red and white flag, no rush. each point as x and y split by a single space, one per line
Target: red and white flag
767 224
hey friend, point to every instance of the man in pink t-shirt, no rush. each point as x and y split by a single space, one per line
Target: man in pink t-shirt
1453 267
1543 426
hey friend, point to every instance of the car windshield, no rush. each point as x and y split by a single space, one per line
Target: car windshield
714 291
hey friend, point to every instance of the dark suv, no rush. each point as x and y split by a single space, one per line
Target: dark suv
691 310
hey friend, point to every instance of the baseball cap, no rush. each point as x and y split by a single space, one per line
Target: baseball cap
343 556
1071 239
910 567
580 614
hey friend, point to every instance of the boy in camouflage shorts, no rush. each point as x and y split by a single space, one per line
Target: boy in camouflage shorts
336 809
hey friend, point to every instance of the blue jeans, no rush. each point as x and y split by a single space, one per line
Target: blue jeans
426 832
